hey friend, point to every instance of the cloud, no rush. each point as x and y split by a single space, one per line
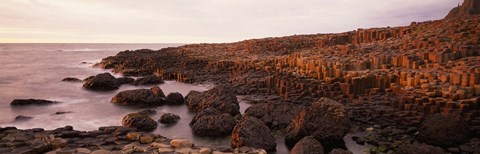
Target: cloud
188 21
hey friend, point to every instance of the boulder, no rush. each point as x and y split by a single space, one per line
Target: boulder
22 118
148 80
409 148
252 132
444 130
139 121
70 79
326 120
211 122
26 102
169 118
125 80
308 145
174 99
102 82
340 151
140 97
274 115
221 98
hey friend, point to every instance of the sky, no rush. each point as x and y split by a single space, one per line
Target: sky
201 21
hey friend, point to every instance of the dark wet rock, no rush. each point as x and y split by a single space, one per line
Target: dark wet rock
307 145
252 132
326 120
140 97
22 118
62 112
340 151
140 122
148 112
70 79
211 122
169 118
102 82
125 80
88 78
175 99
418 148
25 102
444 130
222 98
148 80
274 115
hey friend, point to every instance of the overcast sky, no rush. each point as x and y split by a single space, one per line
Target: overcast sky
195 21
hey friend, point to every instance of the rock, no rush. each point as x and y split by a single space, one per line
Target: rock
181 143
148 112
146 139
211 122
83 150
418 148
169 118
468 8
22 118
340 151
101 151
252 132
133 136
274 115
444 130
70 79
125 80
165 150
307 145
62 112
102 82
221 98
148 80
174 99
139 121
58 143
326 120
205 151
26 102
139 97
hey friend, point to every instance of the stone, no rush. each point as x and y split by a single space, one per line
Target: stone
22 118
83 150
444 130
125 80
165 150
102 82
146 139
101 151
211 122
140 122
307 145
28 102
326 120
183 150
139 97
148 80
205 151
148 112
181 143
174 99
70 79
340 151
468 8
418 148
58 143
220 97
252 132
169 118
274 115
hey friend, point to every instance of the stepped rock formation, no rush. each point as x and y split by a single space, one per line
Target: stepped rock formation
468 8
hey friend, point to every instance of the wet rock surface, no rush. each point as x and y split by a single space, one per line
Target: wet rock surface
444 130
252 132
307 145
140 97
139 121
29 102
211 122
169 118
222 98
274 115
175 99
148 80
101 82
71 79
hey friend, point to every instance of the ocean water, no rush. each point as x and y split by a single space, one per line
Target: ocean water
36 71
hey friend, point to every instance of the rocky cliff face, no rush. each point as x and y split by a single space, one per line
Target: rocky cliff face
468 8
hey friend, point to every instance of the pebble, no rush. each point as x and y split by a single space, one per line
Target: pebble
181 143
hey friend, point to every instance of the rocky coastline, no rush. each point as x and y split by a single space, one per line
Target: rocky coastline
411 89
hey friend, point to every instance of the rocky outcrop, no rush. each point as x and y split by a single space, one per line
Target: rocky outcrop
444 130
148 80
139 121
222 98
308 145
140 97
274 115
326 120
415 147
468 8
211 122
70 79
174 99
169 118
27 102
252 132
101 82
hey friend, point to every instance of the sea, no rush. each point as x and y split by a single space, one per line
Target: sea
36 70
